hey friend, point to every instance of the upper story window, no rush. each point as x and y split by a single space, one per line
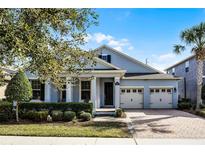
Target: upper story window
187 66
173 71
105 57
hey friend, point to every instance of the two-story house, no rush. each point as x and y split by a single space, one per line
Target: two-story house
186 69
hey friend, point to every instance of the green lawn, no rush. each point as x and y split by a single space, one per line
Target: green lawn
89 129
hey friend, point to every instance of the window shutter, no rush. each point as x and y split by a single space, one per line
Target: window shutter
100 56
42 91
109 58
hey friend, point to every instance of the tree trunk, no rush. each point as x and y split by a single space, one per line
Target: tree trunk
17 111
199 80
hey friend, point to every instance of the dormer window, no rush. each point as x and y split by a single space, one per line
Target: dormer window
105 57
187 66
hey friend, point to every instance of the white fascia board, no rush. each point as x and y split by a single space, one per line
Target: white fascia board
106 63
161 86
132 87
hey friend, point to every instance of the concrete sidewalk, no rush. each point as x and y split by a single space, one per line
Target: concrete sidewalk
26 140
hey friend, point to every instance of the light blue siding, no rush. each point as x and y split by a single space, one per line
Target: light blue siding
75 93
148 83
125 63
54 94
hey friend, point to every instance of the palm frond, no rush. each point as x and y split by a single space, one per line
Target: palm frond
178 49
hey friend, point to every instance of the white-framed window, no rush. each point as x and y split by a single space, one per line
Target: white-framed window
37 90
187 66
85 90
63 94
105 57
173 71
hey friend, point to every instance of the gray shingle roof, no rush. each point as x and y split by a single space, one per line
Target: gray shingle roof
153 77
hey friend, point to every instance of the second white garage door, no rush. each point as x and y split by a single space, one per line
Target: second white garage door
161 98
131 98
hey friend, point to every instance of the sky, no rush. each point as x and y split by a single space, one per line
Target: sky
144 33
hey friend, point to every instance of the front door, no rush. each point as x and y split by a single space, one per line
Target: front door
108 91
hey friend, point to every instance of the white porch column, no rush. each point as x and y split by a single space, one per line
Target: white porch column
68 90
94 93
47 91
117 92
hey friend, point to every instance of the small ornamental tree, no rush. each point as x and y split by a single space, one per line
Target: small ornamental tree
19 90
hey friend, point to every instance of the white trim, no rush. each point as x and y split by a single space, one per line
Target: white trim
106 63
128 57
132 87
83 79
161 86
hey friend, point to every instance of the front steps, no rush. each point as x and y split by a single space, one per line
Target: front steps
105 112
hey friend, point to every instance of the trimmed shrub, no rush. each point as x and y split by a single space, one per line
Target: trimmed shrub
184 105
40 116
19 88
72 106
85 116
35 115
4 117
119 112
69 115
28 115
201 113
57 115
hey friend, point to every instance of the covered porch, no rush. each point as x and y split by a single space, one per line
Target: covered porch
102 88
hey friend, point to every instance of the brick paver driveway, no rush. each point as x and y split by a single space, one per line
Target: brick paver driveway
166 124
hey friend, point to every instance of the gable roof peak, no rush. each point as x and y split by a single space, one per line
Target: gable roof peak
127 56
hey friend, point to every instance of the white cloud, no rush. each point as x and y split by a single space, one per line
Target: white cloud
118 48
99 37
131 48
118 44
163 61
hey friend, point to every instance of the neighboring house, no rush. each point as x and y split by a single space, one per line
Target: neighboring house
7 75
186 69
116 80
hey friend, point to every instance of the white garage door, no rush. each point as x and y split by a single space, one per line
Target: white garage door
131 98
161 98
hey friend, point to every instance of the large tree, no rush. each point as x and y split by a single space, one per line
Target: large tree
45 41
195 37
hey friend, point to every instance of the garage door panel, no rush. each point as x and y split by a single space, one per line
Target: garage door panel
131 98
160 98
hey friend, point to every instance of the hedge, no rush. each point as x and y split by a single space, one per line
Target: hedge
37 116
72 106
7 108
